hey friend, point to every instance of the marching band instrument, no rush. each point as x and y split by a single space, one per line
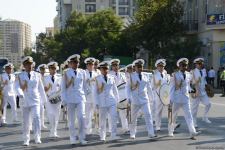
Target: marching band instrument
55 98
96 118
123 102
170 114
209 90
164 95
100 88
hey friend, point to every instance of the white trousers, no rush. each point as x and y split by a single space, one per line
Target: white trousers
195 104
89 113
42 115
79 109
145 108
53 113
103 114
12 101
32 112
187 115
123 119
158 112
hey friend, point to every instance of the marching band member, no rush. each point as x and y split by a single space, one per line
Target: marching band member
31 84
106 99
180 97
90 104
41 69
199 80
141 95
75 89
120 78
8 91
96 66
159 78
129 71
52 84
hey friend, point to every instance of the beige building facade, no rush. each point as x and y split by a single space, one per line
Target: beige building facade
123 8
15 36
206 18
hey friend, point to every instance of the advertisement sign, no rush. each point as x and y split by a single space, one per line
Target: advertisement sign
215 19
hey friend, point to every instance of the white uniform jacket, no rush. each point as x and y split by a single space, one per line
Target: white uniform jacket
34 88
108 96
77 90
141 90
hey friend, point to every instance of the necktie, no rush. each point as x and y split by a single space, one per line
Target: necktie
90 74
140 76
28 75
105 77
75 72
116 73
184 75
53 79
9 76
201 72
161 75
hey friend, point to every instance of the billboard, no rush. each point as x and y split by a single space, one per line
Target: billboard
215 19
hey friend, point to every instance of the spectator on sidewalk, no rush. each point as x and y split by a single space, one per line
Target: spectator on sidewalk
222 78
211 75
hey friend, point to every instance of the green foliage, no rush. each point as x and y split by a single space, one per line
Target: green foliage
157 27
27 51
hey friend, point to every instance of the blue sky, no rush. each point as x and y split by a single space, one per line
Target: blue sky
37 13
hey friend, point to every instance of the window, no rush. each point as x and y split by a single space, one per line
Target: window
90 8
123 11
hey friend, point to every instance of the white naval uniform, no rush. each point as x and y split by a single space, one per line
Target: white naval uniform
76 102
31 104
107 100
202 97
120 78
9 95
42 107
159 106
53 110
90 100
141 95
180 99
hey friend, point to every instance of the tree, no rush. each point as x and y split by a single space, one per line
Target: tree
158 28
27 51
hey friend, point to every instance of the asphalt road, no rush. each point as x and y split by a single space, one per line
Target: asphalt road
212 136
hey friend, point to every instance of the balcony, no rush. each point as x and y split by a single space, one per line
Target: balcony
67 2
121 3
57 8
191 26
